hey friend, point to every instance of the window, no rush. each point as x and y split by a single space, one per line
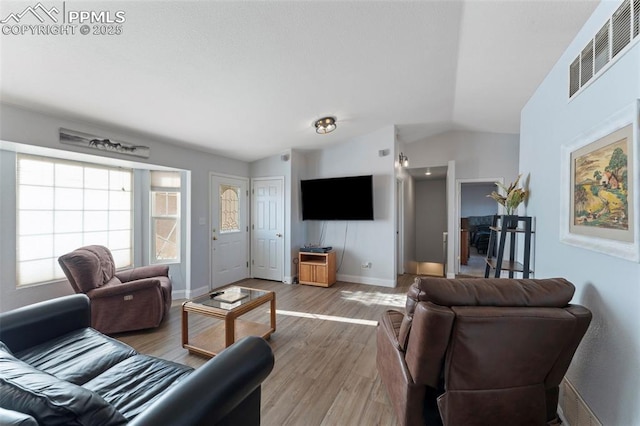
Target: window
165 216
63 205
229 208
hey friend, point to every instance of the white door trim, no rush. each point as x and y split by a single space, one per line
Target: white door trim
209 230
282 205
400 260
458 212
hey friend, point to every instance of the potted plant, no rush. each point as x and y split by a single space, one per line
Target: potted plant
512 198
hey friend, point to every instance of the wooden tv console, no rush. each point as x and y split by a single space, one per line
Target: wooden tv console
317 269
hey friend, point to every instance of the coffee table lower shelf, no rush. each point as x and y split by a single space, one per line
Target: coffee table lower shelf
211 341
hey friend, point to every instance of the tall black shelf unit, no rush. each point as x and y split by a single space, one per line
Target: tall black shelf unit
512 226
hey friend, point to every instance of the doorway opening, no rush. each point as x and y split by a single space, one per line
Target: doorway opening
474 215
431 220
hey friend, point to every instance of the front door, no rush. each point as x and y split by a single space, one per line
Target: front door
267 229
229 230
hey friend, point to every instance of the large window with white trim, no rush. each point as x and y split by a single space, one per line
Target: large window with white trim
165 216
63 205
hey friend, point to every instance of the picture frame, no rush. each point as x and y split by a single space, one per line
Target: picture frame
599 187
85 140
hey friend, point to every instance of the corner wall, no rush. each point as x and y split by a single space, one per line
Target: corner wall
605 368
32 128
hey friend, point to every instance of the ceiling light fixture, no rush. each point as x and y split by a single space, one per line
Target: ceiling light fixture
325 125
428 172
403 160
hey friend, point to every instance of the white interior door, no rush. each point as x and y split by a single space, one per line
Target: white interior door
229 230
267 229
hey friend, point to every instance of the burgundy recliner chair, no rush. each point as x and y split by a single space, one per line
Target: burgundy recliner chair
480 351
133 299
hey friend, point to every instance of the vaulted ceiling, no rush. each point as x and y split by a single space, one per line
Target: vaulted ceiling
247 79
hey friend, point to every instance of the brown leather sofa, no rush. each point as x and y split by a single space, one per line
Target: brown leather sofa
133 299
480 351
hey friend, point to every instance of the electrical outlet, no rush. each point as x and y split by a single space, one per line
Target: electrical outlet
366 265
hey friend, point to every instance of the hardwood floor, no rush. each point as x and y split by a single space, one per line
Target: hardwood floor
325 350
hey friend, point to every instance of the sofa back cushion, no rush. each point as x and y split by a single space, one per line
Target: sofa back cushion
498 292
88 267
49 400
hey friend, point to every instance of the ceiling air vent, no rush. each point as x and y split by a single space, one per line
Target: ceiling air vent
606 46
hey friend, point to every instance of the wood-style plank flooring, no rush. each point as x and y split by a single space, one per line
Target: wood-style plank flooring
325 350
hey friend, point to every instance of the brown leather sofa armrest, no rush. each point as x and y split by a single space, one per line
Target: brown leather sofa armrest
141 272
428 341
389 323
125 288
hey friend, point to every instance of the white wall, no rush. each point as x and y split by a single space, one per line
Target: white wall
366 241
32 128
477 154
474 200
431 219
605 370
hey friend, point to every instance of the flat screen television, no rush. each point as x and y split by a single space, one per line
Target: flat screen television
341 198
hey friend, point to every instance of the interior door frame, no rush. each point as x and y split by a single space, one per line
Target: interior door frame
459 183
284 222
400 260
209 231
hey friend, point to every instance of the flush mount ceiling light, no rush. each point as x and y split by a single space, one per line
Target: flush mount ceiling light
403 160
325 125
428 172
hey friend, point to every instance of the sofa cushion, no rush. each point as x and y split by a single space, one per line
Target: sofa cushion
16 418
49 400
133 384
77 357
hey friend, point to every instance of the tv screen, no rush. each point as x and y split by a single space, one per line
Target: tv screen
342 198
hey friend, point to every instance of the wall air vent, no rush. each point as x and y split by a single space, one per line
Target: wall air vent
609 43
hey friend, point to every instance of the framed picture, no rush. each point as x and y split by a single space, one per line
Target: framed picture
599 209
85 140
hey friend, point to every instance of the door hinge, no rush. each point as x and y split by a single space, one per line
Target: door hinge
247 192
247 264
253 226
253 262
247 229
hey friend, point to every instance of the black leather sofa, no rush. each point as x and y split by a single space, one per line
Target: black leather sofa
56 370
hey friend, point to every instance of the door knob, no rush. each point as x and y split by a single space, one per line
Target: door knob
214 238
278 235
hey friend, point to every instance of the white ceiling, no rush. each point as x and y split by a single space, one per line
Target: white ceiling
247 79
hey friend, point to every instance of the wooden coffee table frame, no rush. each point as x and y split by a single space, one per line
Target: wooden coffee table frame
214 339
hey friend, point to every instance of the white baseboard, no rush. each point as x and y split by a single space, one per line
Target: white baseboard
573 410
366 280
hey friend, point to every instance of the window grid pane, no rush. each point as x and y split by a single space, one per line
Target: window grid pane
165 217
63 205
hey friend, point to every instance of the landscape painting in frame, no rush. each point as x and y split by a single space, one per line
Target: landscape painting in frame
602 186
71 137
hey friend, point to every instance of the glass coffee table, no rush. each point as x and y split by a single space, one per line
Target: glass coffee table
226 304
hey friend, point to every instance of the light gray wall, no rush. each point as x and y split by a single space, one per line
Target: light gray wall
474 200
605 369
431 219
477 154
32 128
366 241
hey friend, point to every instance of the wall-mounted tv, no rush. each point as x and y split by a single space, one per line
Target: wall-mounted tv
341 198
